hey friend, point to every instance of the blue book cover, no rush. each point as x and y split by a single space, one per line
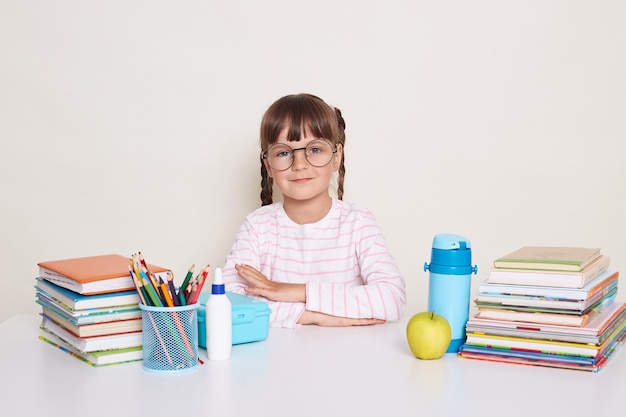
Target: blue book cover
75 301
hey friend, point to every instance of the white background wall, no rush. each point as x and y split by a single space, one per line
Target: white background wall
133 125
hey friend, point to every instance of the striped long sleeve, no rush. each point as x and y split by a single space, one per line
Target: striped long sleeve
343 259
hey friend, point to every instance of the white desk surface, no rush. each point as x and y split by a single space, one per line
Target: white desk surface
311 371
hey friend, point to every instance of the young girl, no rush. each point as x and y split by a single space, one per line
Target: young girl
315 259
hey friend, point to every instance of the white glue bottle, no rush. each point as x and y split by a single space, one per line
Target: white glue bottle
219 321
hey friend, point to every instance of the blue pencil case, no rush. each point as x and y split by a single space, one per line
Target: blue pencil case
251 318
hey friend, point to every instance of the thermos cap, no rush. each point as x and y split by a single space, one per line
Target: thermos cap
448 241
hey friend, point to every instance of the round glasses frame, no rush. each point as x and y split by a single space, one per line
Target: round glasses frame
308 149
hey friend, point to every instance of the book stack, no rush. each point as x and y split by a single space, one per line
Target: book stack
89 308
548 306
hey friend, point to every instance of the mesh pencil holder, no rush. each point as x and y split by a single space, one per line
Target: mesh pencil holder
170 338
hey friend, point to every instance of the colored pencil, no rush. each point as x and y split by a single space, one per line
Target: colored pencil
137 285
183 286
165 291
151 290
202 280
172 288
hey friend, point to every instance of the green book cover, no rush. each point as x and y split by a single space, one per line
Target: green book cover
549 257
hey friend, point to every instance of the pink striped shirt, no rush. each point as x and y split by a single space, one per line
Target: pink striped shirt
343 259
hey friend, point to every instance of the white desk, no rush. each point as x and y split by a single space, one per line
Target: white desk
312 371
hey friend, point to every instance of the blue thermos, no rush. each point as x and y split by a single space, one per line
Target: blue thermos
449 283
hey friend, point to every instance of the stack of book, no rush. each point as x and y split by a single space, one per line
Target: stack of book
548 306
90 308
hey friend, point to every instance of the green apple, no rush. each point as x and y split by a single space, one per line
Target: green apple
428 335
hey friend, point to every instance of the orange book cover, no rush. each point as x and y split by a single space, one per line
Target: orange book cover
93 274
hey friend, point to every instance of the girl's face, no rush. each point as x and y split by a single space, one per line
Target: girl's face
302 181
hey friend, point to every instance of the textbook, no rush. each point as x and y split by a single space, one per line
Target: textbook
537 317
93 274
92 344
75 301
543 359
91 316
537 303
602 323
548 258
546 278
94 329
96 358
594 286
585 348
545 346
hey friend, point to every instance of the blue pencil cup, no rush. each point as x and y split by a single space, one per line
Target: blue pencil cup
449 283
170 338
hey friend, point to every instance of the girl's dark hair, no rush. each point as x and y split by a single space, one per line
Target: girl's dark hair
301 114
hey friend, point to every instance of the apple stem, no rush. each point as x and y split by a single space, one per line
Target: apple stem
432 315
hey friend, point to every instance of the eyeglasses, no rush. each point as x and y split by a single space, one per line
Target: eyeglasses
280 156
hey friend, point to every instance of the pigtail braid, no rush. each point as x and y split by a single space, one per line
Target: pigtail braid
266 186
341 139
